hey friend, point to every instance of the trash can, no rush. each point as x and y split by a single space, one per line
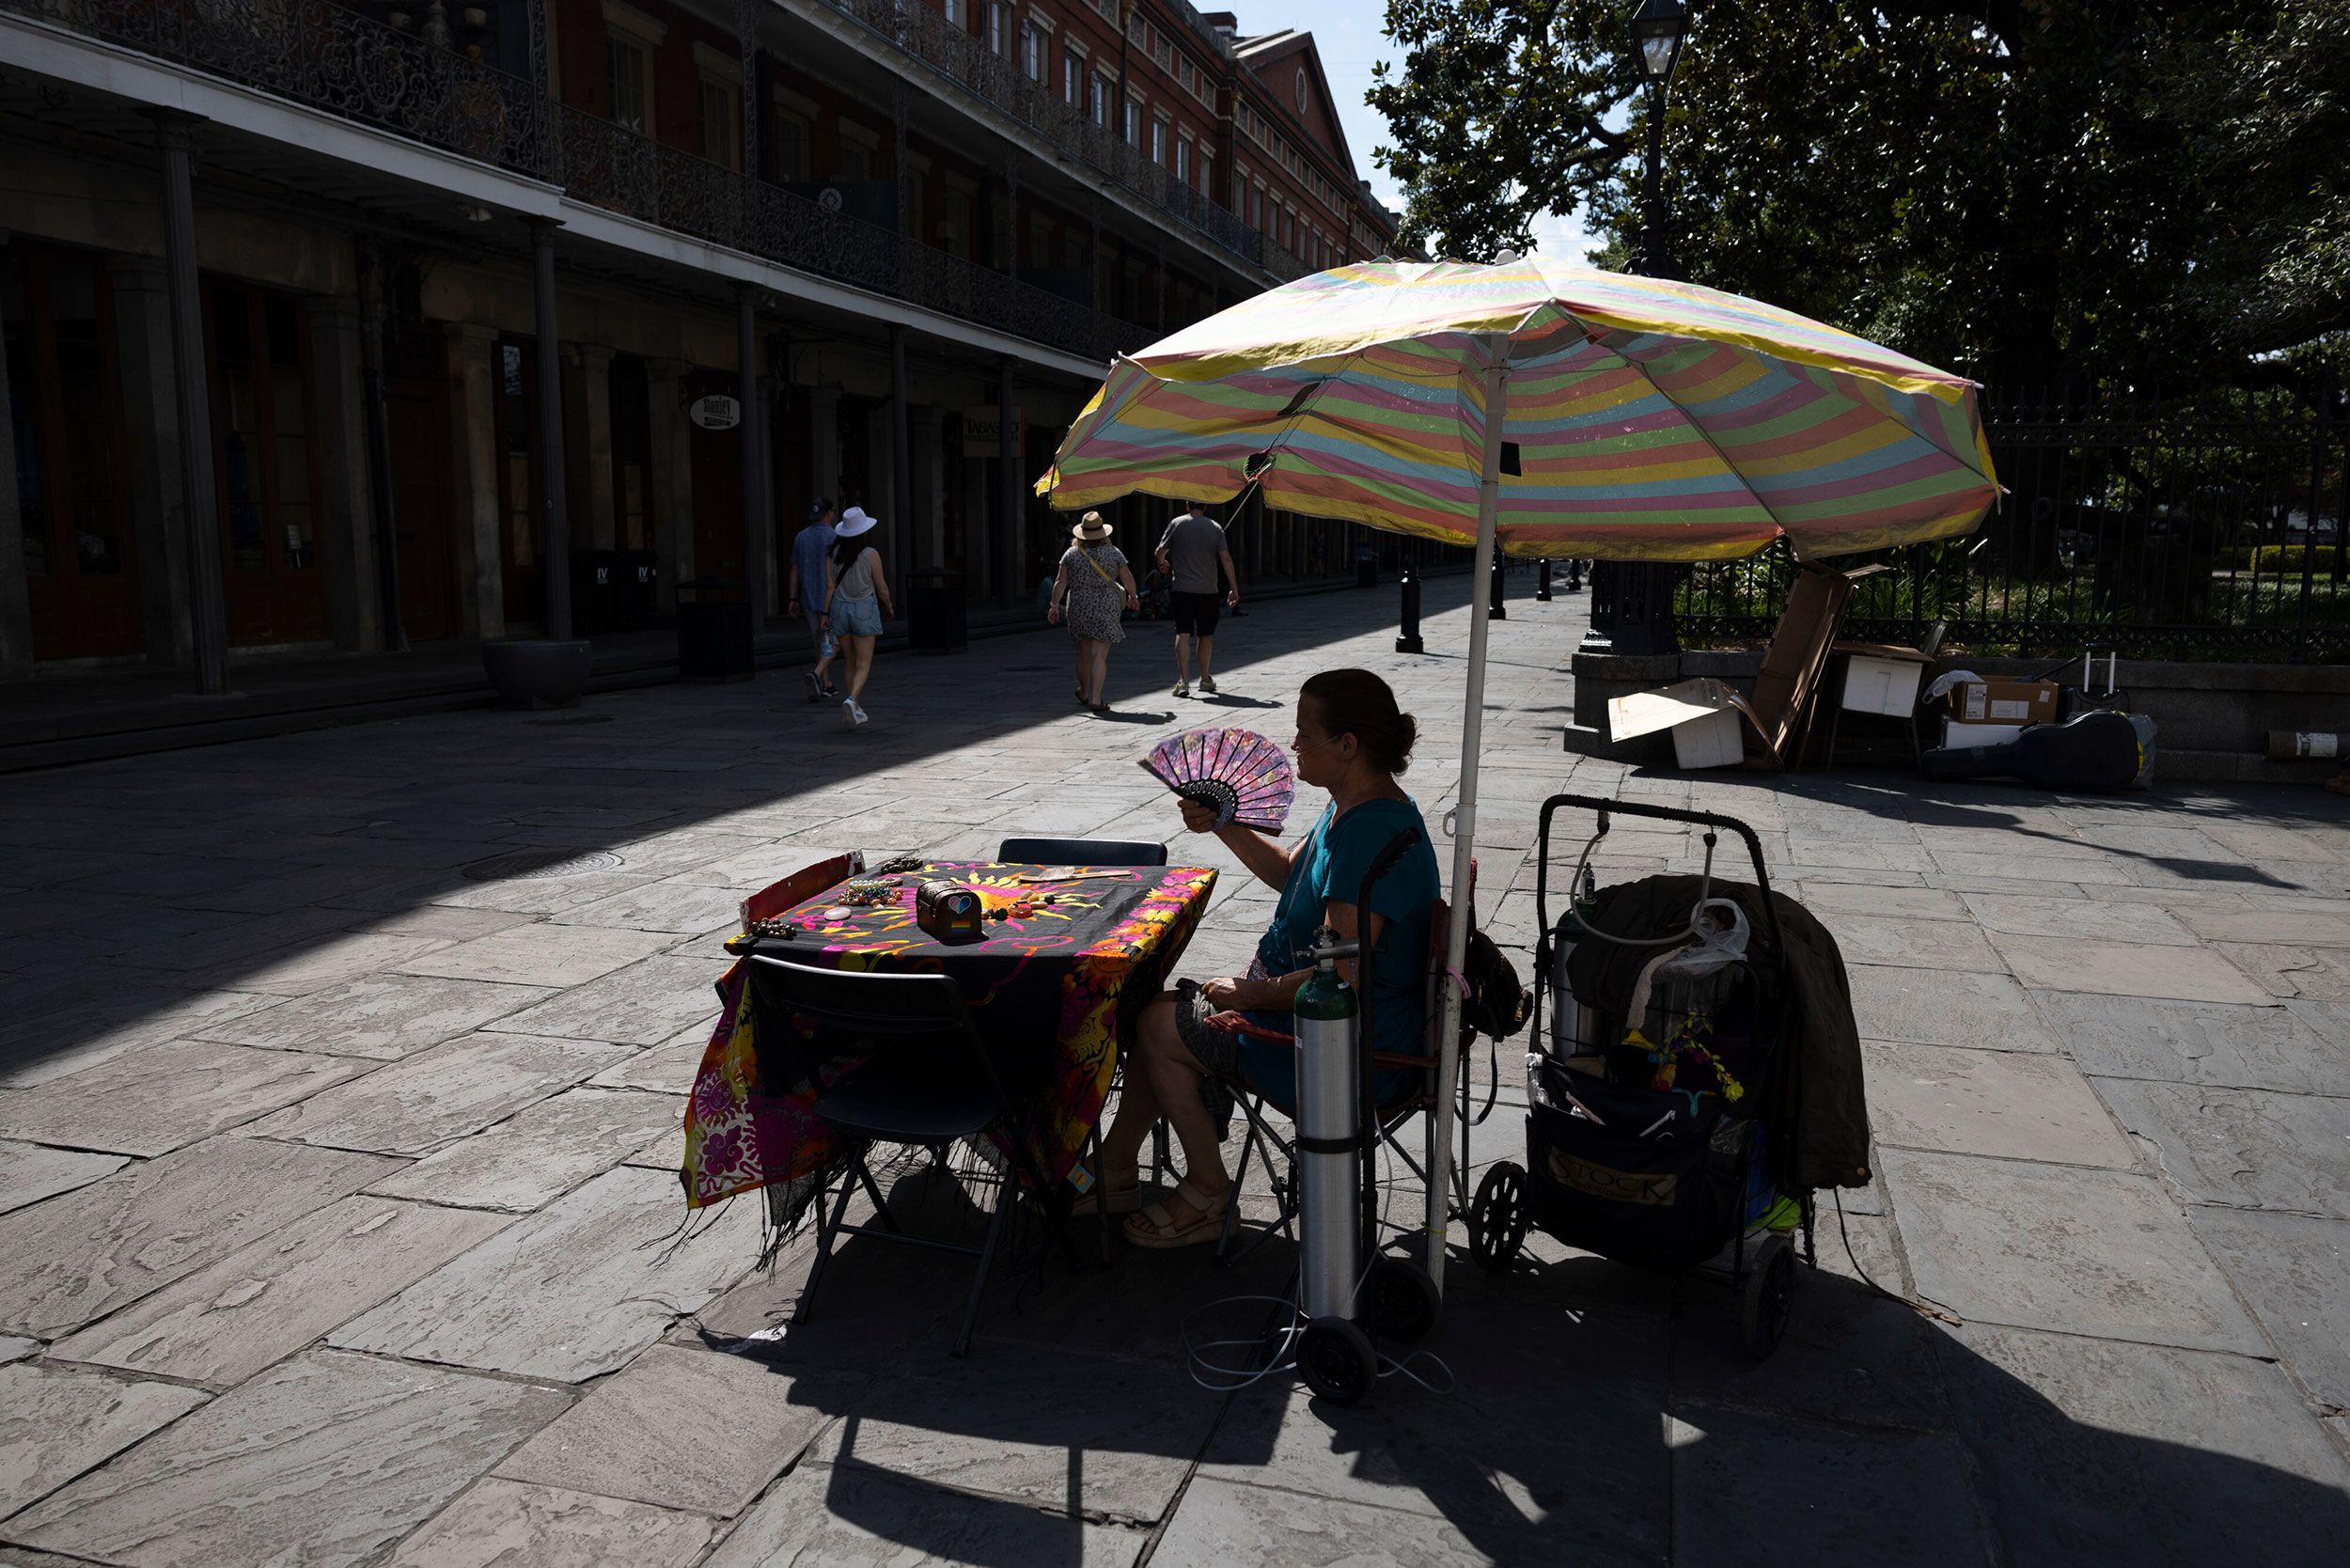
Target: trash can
636 587
935 611
595 591
713 631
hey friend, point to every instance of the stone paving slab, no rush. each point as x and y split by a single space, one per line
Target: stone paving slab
543 1150
55 1422
570 1292
854 1516
63 1264
542 955
1932 1007
2195 1042
671 905
275 1294
29 1173
2116 969
49 1046
2316 974
2057 923
1224 1522
2172 1456
169 1095
643 1004
2012 1105
647 1433
503 1524
322 1460
2251 1148
382 1016
1752 1489
1916 943
431 1099
668 1068
2294 1270
2089 1252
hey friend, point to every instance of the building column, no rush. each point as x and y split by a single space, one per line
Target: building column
823 441
1158 284
549 364
151 421
198 523
758 527
346 536
1012 548
1011 211
587 442
927 427
478 479
16 605
901 455
746 45
673 476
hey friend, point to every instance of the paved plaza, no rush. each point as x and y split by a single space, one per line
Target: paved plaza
340 1220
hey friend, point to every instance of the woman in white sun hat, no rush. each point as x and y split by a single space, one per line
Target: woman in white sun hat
857 601
1094 583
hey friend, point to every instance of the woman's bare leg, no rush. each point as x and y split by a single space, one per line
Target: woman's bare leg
860 664
1175 1076
1139 1100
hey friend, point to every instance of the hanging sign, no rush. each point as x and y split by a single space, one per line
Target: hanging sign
982 431
716 412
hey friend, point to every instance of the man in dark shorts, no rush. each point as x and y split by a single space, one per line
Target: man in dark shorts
1191 551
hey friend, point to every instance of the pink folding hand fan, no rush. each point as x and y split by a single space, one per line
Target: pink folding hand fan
1238 772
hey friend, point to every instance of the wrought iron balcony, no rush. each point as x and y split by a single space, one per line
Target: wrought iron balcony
616 169
328 57
915 29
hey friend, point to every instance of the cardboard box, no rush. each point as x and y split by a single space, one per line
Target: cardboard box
1958 732
1881 679
1707 718
1794 663
2004 701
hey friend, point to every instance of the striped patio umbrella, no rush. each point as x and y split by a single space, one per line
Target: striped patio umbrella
1645 419
1639 419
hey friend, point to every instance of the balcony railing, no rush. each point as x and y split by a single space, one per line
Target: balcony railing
946 49
330 59
616 169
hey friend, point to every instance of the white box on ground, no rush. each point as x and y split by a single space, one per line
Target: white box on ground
1955 732
1706 716
1879 685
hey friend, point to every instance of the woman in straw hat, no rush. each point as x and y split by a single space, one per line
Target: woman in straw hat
856 600
1093 583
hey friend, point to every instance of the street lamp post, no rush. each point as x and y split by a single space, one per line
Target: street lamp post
1632 601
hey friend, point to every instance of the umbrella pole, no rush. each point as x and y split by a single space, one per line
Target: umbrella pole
1440 1162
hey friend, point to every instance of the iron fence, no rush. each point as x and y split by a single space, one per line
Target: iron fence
2208 527
926 35
622 172
329 57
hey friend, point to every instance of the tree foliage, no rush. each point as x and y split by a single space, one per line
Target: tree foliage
2032 191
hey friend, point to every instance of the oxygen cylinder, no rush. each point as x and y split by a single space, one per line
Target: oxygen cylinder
1329 1147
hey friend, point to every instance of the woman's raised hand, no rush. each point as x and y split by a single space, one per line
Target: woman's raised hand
1199 816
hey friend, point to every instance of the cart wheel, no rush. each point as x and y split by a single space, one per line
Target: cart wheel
1496 1217
1766 1299
1335 1360
1399 1302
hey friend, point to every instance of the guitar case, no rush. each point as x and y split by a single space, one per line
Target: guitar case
2095 751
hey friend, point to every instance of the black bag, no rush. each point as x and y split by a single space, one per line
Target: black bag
1642 1175
1498 1004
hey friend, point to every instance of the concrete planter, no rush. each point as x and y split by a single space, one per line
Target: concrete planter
536 673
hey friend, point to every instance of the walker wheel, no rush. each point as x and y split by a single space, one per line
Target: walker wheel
1335 1359
1766 1299
1498 1217
1398 1301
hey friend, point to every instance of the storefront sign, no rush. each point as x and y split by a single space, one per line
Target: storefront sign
982 433
716 412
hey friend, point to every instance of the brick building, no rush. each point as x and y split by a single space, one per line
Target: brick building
326 323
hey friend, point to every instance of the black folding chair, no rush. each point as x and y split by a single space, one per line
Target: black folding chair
927 1081
1080 851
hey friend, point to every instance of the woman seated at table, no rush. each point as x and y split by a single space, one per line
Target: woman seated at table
1351 741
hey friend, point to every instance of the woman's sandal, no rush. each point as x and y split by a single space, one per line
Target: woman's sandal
1156 1226
1119 1198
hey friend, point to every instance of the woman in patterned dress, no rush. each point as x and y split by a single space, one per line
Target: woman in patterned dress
1093 583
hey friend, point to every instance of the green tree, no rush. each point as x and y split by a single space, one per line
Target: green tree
2035 191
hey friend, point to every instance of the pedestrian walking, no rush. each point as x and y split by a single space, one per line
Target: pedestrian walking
1093 585
1193 550
805 592
857 601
